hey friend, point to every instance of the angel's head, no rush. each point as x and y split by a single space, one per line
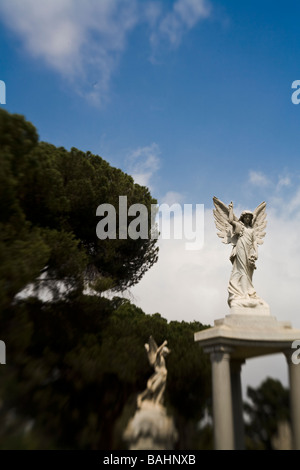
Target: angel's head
246 217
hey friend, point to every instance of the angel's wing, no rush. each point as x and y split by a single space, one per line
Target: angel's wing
221 214
259 223
151 349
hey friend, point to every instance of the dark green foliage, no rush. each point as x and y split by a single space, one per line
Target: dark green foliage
48 202
74 366
269 405
23 251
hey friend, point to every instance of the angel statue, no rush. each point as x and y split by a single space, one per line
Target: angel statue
156 384
245 234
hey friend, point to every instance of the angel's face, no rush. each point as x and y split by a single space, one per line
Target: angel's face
247 219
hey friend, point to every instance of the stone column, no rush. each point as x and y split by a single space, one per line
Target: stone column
237 404
294 378
222 401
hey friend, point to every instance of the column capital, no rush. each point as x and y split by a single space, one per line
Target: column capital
219 353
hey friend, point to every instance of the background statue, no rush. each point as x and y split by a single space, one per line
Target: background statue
245 234
157 382
151 428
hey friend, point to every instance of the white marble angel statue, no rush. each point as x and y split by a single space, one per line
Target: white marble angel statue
245 234
156 384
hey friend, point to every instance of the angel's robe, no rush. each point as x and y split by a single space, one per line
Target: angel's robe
240 288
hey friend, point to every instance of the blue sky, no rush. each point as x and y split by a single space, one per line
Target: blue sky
212 92
191 97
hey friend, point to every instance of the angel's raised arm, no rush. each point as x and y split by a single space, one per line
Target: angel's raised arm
231 215
161 347
151 349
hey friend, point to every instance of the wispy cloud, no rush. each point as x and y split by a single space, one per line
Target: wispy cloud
257 178
172 197
143 163
80 40
293 207
283 182
151 12
83 40
184 15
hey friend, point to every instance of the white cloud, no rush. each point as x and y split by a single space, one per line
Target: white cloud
83 40
294 204
190 11
184 15
181 281
143 163
80 40
257 178
152 11
283 181
171 197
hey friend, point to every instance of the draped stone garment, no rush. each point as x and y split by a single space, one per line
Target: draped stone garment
240 288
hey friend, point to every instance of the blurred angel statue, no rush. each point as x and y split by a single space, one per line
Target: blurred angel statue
156 384
245 234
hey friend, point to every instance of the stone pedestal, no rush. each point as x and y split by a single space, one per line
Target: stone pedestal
230 342
150 429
